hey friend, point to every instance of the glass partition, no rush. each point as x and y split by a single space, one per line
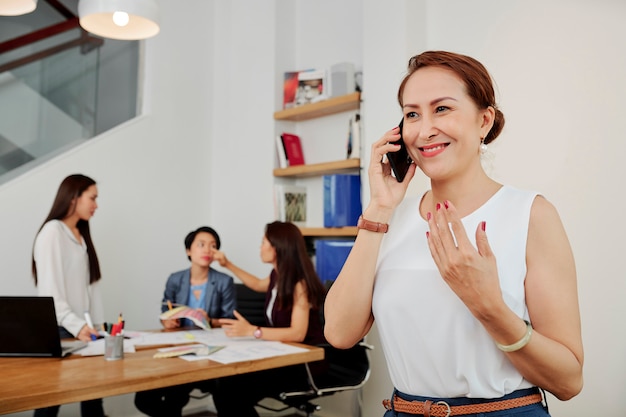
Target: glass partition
59 86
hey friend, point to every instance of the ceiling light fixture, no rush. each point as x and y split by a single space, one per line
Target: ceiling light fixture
17 7
120 19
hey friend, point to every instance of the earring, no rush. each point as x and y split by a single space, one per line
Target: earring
483 147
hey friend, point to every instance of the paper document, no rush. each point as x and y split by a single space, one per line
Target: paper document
248 350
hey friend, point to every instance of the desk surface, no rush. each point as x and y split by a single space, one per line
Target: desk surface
29 383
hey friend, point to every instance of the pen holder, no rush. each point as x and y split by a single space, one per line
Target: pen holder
113 347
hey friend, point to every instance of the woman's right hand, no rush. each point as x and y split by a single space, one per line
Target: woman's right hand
385 191
85 333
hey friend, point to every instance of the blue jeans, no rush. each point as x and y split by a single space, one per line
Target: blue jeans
533 410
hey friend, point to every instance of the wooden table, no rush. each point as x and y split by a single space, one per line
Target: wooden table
30 383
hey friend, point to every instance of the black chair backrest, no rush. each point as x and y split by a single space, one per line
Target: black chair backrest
347 367
251 305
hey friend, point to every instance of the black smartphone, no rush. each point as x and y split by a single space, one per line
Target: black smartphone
400 161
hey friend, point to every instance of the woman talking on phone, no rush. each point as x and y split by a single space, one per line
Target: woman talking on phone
473 283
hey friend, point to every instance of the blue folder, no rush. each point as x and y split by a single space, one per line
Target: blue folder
330 255
342 200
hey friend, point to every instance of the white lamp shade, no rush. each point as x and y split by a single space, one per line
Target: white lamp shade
17 7
96 16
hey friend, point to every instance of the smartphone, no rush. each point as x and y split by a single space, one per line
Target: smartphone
400 161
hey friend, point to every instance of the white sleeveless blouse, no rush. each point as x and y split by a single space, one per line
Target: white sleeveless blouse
432 343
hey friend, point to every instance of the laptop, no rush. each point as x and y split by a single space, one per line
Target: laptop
29 328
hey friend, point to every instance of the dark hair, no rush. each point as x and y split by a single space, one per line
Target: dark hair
192 236
293 264
474 75
71 188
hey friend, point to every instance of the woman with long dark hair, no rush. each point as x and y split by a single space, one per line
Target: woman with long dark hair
294 296
65 267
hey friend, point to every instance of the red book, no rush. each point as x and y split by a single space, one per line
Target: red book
293 149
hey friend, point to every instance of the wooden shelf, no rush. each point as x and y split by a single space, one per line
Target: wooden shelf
329 231
321 108
323 168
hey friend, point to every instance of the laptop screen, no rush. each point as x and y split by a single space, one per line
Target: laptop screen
29 327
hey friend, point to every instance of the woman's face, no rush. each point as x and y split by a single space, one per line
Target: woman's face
443 126
268 252
85 205
201 249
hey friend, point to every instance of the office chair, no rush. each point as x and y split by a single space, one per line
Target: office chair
250 304
349 369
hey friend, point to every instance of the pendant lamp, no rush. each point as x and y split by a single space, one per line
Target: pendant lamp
120 19
17 7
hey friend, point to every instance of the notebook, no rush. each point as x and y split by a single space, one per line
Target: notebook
29 328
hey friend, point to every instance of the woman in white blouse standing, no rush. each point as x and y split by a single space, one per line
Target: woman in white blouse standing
65 266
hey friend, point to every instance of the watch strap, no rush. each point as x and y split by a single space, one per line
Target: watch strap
372 226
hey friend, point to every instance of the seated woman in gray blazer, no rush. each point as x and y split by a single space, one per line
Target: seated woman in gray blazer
201 287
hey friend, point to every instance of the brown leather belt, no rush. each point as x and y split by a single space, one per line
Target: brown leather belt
442 409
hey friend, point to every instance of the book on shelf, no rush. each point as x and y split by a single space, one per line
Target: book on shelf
342 200
290 87
186 312
353 145
293 149
281 155
330 255
311 87
197 349
290 203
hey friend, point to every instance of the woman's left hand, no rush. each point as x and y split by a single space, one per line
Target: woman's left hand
472 274
238 326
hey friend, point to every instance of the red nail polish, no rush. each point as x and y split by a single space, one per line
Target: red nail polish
438 206
427 235
483 226
445 203
428 216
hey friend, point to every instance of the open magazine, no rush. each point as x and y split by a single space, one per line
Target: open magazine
186 312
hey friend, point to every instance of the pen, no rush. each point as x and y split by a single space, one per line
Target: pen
169 305
90 324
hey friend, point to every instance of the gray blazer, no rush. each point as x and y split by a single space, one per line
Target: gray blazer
220 292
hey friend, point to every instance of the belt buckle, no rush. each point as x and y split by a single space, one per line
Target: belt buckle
448 411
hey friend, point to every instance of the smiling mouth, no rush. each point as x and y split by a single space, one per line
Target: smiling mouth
434 148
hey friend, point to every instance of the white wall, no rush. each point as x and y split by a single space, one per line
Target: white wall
204 152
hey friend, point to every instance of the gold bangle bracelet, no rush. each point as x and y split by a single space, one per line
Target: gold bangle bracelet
520 343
